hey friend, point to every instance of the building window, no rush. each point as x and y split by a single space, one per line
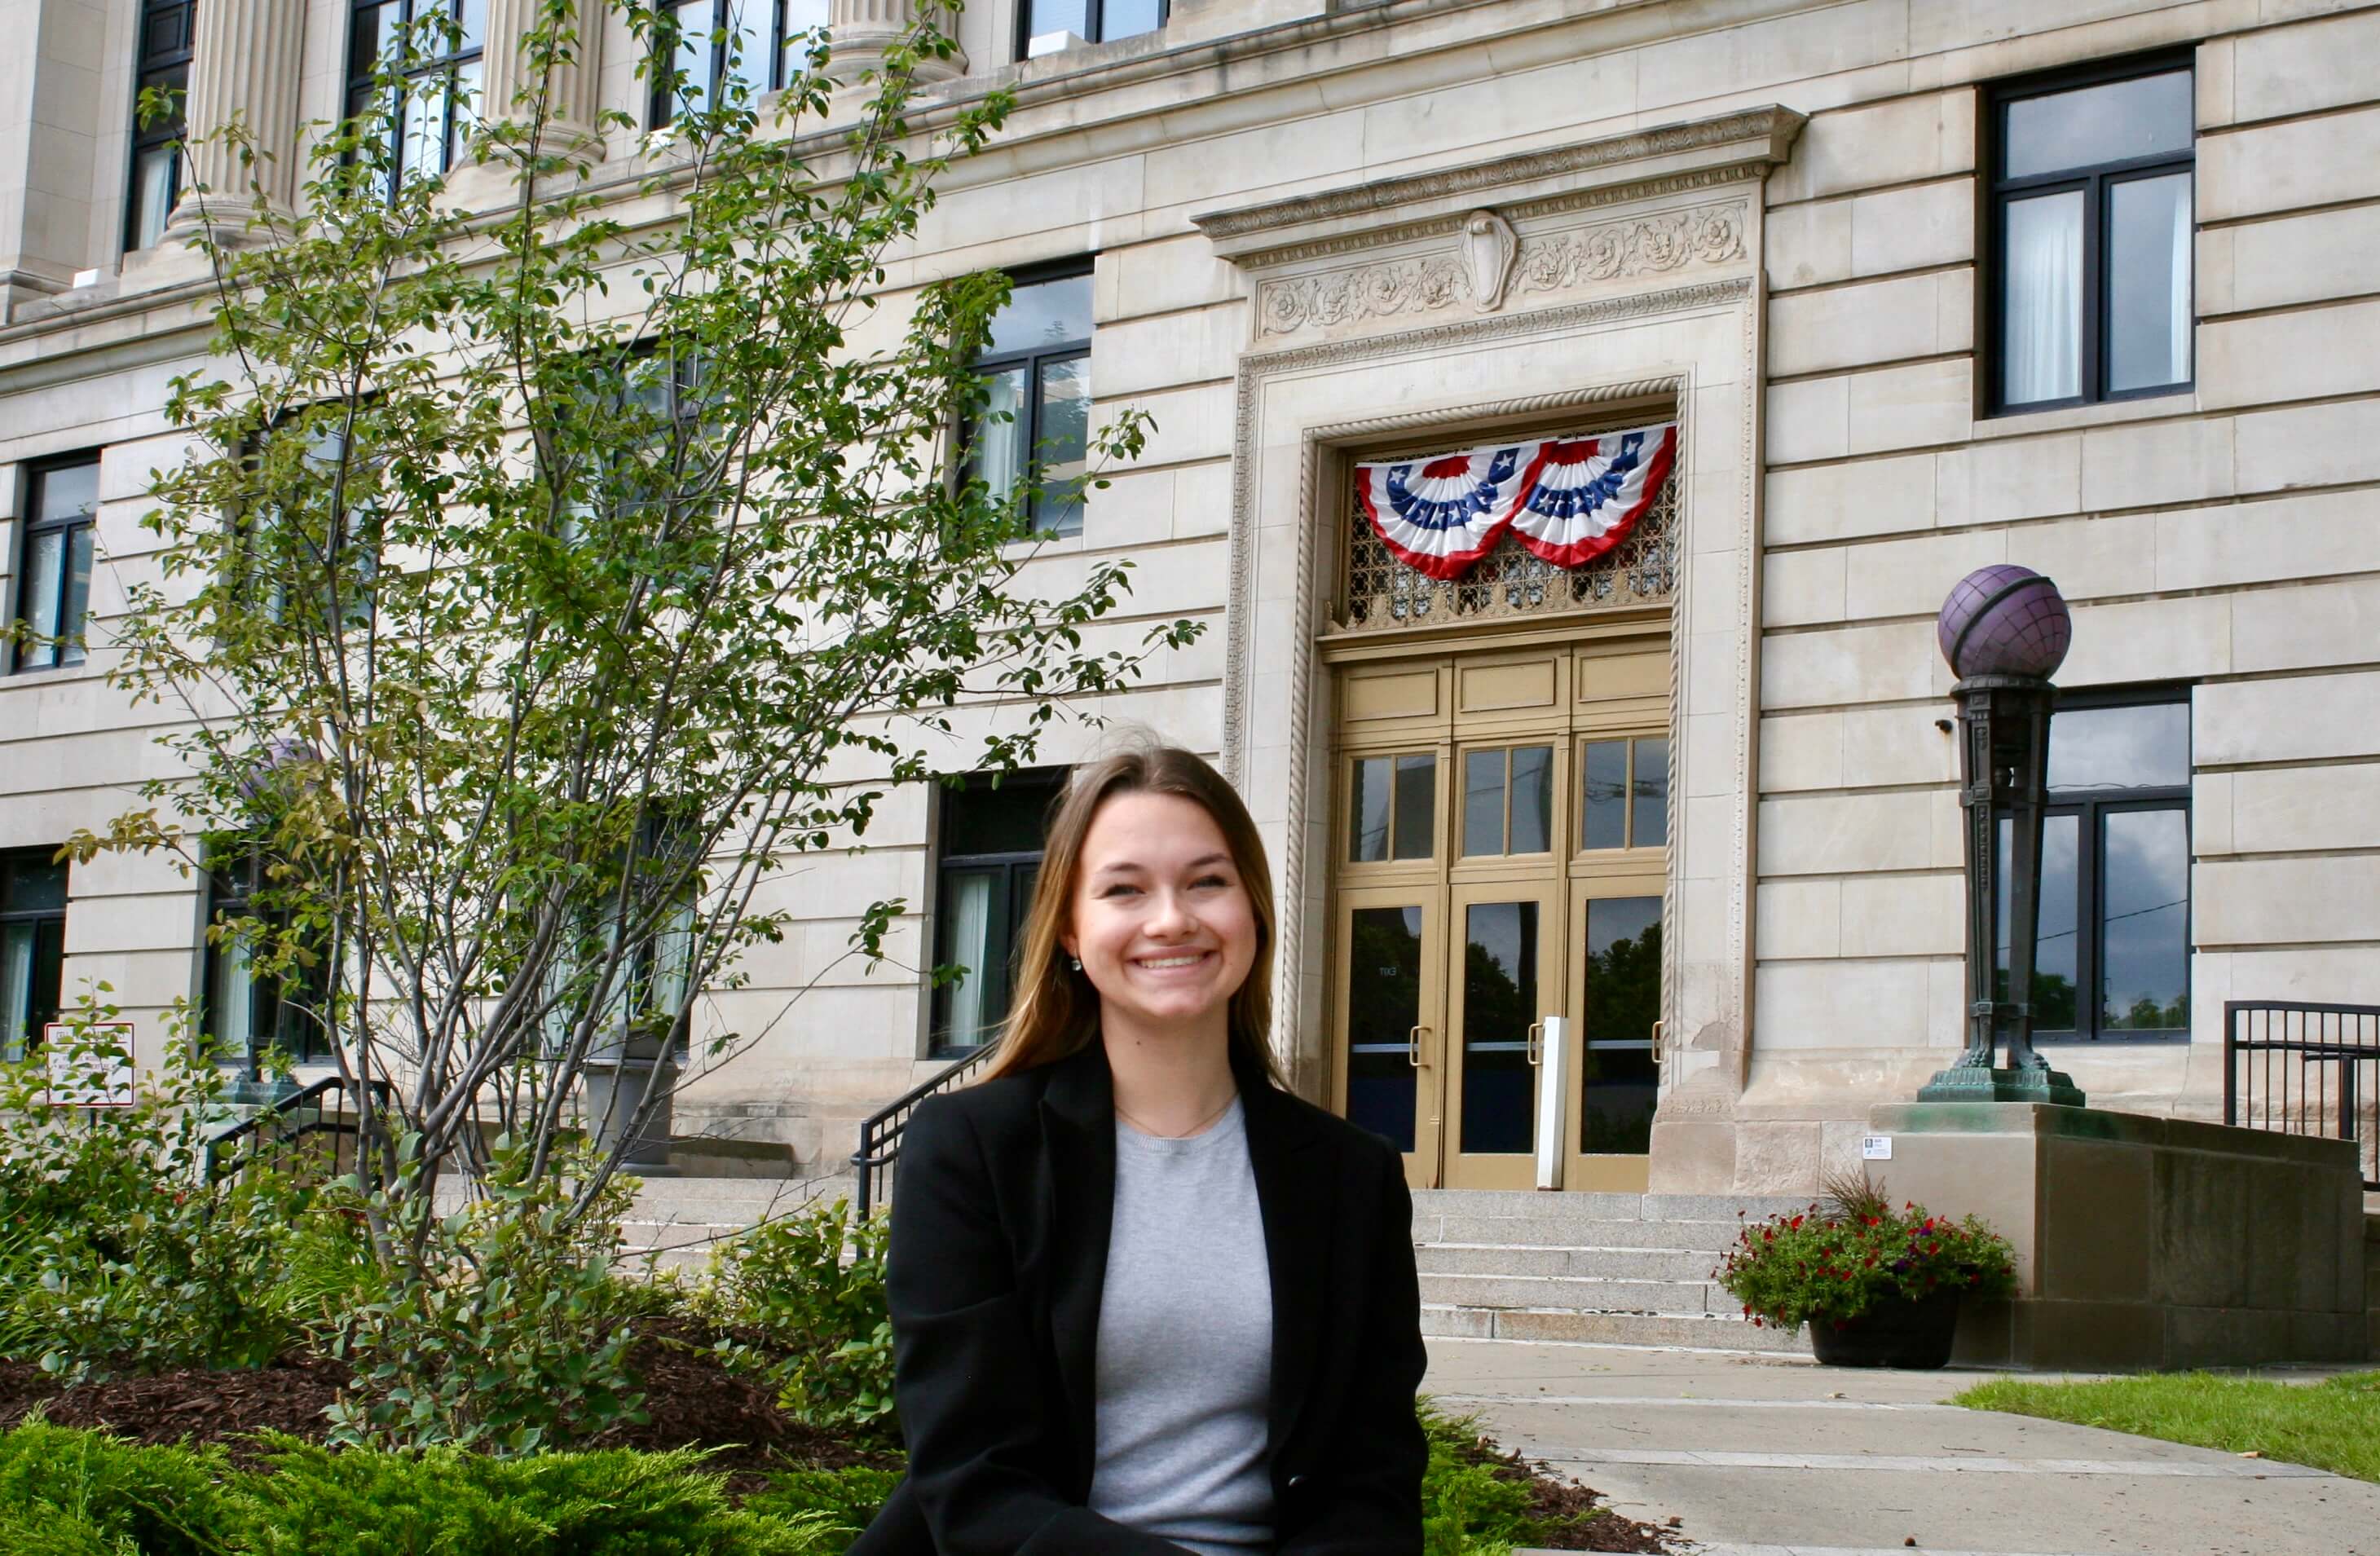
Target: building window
2112 943
250 1011
32 946
434 46
1049 26
2092 224
164 65
991 845
653 891
755 46
1038 412
54 588
281 544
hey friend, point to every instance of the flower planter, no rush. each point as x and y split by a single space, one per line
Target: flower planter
1897 1332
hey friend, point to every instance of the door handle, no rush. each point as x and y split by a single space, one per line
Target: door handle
1660 1041
1413 1047
1537 1043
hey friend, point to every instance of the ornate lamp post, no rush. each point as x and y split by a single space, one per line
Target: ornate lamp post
2005 631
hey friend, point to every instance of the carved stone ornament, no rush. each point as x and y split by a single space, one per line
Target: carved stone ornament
1490 263
1489 246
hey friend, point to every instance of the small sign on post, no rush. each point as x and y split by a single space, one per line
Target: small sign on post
91 1065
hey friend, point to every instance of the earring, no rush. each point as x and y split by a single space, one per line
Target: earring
1076 963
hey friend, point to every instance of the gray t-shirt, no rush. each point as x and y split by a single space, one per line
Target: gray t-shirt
1185 1344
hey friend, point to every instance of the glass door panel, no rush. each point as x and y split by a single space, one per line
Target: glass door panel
1388 993
1613 1055
1498 991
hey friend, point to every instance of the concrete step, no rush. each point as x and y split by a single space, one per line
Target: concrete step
1556 1294
1561 1231
1712 1332
1531 1203
1602 1263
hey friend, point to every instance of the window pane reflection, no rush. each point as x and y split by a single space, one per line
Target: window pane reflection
1368 811
1621 1076
2148 116
2149 241
1500 1001
1604 794
1649 793
1532 800
1483 802
2056 925
1383 1007
1065 439
2145 986
2120 747
1416 807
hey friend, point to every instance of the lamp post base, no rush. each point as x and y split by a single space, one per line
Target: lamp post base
1965 1084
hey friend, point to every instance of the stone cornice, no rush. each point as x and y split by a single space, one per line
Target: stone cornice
1699 155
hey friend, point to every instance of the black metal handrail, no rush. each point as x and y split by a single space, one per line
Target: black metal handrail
2295 1068
280 1110
880 1136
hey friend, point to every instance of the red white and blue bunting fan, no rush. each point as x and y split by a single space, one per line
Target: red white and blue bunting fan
1569 500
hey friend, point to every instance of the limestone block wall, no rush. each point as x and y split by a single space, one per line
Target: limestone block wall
2222 536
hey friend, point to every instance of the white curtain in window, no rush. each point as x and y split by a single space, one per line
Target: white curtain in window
16 988
2042 333
969 905
2184 254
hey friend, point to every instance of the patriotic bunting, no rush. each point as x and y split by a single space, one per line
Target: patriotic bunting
1568 500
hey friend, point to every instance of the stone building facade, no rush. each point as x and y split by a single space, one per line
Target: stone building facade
1919 285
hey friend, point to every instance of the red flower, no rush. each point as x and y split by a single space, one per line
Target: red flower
1796 1223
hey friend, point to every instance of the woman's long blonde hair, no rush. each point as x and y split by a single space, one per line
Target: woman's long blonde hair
1056 1012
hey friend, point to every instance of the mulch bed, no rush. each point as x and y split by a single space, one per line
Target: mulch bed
1553 1496
691 1398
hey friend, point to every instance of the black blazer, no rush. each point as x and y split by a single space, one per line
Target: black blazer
998 1258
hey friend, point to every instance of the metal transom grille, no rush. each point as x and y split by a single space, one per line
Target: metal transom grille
1383 594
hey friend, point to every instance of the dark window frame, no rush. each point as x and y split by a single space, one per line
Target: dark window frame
361 73
1033 361
157 62
2091 809
53 918
1094 18
1014 872
660 103
235 876
2094 180
31 527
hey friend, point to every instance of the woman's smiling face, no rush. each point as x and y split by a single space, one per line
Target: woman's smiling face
1161 920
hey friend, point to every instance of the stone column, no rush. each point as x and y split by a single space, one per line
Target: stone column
571 87
863 29
244 64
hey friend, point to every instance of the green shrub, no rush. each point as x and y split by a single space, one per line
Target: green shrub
518 1336
122 1257
1467 1510
618 1502
1834 1261
813 1283
848 1498
67 1492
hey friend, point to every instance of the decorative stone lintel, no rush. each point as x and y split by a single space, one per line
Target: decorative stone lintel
1730 147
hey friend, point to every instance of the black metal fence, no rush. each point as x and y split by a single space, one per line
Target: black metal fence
317 1130
880 1137
2304 1069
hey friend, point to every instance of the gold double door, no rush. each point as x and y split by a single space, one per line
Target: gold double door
1501 843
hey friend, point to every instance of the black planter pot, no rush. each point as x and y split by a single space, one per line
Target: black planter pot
1899 1331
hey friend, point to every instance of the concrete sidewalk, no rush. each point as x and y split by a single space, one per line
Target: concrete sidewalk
1777 1456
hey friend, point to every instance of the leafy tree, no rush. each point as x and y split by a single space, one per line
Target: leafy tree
539 587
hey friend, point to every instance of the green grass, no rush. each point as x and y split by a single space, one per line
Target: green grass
2333 1425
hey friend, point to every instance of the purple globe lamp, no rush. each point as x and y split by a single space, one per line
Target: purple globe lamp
2005 631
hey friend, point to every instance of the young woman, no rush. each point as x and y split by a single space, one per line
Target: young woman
1145 1301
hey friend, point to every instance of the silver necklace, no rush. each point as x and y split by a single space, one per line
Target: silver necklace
1197 1128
